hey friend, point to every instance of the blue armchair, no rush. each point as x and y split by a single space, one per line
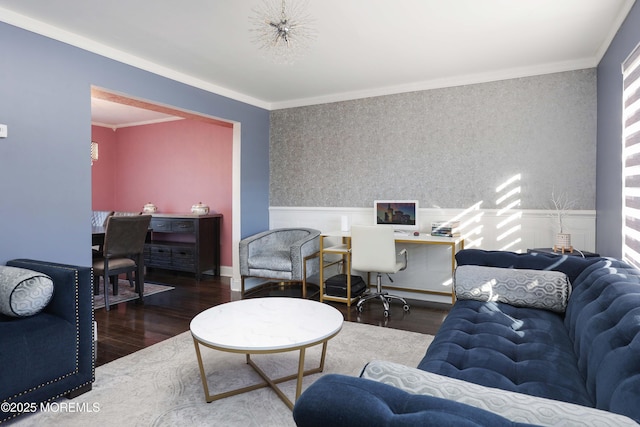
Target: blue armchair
50 354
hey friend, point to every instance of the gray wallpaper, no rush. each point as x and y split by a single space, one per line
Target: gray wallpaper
448 148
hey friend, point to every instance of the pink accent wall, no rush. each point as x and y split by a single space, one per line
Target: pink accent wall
173 165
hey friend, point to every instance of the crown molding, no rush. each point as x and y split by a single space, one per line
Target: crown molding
84 43
55 33
464 80
144 122
624 11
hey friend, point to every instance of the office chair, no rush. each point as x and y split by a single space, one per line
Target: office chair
373 248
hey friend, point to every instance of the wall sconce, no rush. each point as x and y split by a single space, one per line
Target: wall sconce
94 152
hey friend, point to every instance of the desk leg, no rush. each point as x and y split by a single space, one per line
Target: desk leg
453 267
321 266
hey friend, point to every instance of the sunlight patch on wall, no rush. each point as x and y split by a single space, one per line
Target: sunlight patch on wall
470 225
508 201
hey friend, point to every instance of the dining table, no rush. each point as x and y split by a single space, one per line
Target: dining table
97 235
98 231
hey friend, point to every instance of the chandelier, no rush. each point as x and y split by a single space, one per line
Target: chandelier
282 33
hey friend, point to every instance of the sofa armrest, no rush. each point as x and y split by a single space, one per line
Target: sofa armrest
73 360
340 400
72 287
511 405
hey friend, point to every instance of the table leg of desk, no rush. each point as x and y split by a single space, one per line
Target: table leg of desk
453 272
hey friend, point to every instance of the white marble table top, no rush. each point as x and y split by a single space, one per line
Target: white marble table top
266 324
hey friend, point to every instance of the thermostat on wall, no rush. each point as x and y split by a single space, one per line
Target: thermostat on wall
3 131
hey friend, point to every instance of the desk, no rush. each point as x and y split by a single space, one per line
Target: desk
575 253
344 251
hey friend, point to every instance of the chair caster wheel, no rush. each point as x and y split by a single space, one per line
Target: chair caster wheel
406 307
386 313
359 308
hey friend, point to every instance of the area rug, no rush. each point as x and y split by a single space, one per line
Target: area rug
127 293
161 386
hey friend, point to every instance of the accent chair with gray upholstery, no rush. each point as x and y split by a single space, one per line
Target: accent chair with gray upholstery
280 254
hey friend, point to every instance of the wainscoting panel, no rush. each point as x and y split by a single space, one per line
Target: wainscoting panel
430 265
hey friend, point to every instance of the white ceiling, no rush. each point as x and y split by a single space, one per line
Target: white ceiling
116 115
363 47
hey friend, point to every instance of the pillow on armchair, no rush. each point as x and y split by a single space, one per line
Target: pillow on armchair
23 292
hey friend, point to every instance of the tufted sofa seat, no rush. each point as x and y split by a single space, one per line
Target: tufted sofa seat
589 356
576 367
517 349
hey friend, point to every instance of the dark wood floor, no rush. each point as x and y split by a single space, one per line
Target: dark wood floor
129 327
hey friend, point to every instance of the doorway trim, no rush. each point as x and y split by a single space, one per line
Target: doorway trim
232 271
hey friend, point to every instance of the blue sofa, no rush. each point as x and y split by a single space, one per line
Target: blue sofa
580 364
50 354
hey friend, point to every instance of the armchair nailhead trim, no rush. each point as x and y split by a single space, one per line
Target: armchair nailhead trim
77 368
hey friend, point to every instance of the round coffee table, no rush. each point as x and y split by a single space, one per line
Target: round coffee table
265 325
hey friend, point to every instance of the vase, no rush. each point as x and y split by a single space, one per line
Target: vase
149 208
563 243
200 209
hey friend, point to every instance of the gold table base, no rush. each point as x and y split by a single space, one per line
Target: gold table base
267 381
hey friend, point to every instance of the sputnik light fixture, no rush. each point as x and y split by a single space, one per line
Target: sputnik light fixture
283 31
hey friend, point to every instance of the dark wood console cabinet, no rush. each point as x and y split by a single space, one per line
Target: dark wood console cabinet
188 243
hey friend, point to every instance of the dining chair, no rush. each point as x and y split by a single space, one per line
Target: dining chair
123 252
373 249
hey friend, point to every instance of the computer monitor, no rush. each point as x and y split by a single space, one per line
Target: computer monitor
401 214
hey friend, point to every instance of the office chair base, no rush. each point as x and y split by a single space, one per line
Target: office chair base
385 298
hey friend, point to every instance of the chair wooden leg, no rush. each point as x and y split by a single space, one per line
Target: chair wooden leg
106 291
140 280
114 284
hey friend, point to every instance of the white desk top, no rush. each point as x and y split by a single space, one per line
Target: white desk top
405 237
265 324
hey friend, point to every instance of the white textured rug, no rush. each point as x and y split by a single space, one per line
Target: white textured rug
160 385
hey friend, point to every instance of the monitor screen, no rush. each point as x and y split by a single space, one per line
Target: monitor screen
401 214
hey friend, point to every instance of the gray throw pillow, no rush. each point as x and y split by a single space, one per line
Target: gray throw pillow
23 292
549 290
